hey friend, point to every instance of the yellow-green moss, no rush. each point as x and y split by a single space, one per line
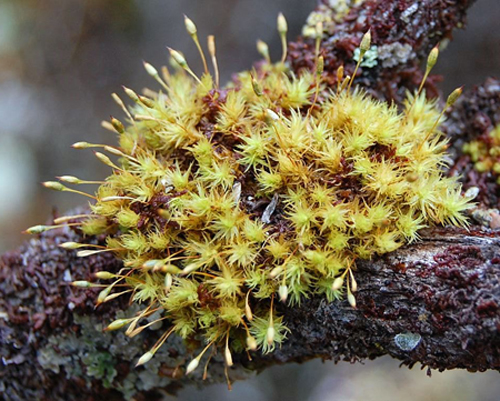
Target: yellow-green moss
223 202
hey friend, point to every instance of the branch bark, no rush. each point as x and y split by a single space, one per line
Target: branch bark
434 302
404 32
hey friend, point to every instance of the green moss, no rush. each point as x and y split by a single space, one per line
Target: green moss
101 366
223 201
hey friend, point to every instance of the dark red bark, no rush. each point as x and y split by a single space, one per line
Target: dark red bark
418 24
434 302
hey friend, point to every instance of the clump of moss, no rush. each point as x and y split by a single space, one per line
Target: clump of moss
485 152
224 201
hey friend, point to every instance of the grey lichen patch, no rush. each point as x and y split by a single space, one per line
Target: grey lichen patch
406 14
369 59
101 366
341 7
472 192
324 15
49 359
407 341
395 53
329 14
94 354
489 218
90 354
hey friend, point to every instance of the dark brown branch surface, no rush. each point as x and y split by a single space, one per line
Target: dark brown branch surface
435 302
404 32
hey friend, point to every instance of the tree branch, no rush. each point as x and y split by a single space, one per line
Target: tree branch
404 32
435 301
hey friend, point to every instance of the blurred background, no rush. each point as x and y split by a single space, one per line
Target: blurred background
61 59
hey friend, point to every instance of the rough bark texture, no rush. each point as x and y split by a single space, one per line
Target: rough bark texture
436 301
52 344
404 32
473 117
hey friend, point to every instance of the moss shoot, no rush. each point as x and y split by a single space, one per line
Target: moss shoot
485 152
223 201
